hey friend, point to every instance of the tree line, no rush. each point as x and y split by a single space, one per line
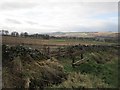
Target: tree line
23 34
36 35
46 36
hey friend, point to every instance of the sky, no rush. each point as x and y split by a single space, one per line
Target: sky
44 16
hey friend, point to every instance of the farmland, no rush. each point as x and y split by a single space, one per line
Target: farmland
59 63
59 44
29 41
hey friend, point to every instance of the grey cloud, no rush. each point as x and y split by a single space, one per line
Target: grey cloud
50 26
32 23
42 16
13 21
105 28
16 5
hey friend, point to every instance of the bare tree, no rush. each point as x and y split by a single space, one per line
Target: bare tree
25 34
22 34
6 32
14 34
3 32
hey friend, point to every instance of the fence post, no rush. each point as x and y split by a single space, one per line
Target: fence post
44 49
59 52
73 61
71 56
48 51
81 52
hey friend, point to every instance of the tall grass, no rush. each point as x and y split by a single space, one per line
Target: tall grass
78 80
102 64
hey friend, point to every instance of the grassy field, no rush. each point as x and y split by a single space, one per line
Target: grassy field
33 41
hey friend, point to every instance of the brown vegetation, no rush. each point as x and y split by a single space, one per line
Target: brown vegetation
30 73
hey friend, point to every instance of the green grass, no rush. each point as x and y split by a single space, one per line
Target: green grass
66 62
107 70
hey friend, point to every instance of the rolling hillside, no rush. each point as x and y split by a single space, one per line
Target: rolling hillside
83 34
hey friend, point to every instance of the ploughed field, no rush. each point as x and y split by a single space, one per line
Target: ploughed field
58 63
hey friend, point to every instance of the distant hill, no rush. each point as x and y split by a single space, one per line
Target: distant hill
83 34
57 34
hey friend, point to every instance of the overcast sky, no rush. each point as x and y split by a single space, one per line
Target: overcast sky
41 16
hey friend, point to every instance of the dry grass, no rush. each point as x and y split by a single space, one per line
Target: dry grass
40 72
78 80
